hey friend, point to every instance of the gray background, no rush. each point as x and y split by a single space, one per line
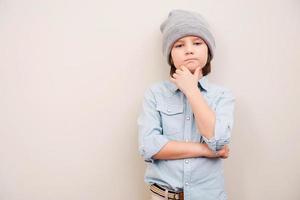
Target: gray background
72 77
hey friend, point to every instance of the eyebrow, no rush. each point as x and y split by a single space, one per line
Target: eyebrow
196 38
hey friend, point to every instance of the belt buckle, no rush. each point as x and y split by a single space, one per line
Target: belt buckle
176 195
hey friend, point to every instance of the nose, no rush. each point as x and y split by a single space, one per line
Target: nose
189 49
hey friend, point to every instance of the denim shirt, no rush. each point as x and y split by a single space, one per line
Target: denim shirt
166 115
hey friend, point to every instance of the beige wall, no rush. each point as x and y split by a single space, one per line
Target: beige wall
72 76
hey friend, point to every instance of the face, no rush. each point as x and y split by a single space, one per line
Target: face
190 51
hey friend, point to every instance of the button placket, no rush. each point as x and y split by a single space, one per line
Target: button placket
187 137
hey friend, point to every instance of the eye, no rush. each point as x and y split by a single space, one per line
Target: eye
179 45
198 43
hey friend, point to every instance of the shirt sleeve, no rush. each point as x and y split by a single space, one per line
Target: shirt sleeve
150 137
224 121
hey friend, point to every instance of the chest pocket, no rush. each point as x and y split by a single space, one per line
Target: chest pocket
172 117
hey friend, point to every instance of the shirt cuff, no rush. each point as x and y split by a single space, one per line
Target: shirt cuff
215 145
212 143
152 146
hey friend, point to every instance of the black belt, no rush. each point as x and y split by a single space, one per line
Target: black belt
155 188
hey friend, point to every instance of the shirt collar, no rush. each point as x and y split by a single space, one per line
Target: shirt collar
202 84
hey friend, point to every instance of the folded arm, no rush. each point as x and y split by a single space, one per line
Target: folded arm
154 145
180 150
214 125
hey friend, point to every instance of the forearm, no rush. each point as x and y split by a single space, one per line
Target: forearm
204 115
180 150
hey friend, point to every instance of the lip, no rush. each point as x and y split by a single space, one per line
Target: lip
190 59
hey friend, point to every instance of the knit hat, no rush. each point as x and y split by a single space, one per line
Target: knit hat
182 23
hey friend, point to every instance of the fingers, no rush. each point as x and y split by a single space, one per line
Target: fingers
175 75
183 68
179 71
224 152
172 79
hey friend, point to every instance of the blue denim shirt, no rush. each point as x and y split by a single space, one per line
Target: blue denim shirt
166 115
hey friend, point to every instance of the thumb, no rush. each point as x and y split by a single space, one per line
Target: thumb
197 71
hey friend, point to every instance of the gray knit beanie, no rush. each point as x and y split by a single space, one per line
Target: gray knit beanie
182 23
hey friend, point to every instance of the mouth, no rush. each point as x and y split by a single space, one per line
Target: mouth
191 59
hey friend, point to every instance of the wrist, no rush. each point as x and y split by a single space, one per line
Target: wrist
208 152
191 91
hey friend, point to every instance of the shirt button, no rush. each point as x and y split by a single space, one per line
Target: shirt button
186 161
168 110
188 118
186 140
186 183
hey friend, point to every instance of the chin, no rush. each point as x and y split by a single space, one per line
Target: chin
192 68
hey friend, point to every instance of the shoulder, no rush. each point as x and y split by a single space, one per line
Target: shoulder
161 87
220 91
222 97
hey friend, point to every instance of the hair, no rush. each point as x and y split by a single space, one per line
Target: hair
205 70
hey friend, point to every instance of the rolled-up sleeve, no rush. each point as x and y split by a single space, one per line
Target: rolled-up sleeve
224 121
150 137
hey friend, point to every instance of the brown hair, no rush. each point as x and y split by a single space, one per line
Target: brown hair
205 70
